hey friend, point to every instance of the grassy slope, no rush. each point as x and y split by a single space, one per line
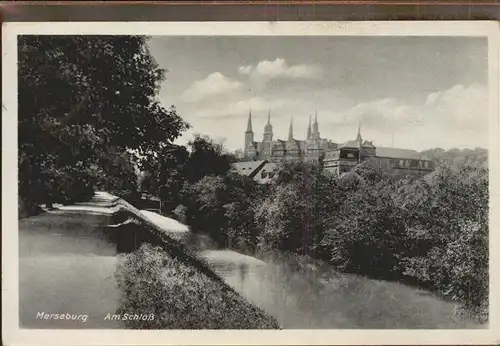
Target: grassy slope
162 277
180 296
69 263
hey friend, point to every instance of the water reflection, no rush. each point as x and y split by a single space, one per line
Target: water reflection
303 293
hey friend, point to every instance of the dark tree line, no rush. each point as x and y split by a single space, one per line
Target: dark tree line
457 158
431 231
86 103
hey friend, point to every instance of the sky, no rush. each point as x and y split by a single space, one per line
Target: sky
407 92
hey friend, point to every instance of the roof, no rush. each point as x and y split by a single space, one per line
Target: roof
295 144
301 144
368 144
249 168
326 144
349 144
268 167
397 153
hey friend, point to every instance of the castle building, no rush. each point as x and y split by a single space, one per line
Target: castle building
400 161
262 159
289 150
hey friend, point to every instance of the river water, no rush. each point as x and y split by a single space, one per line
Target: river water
67 265
303 293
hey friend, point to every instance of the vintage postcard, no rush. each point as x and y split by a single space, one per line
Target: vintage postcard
250 183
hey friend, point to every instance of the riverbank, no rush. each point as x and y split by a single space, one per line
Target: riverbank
304 293
70 263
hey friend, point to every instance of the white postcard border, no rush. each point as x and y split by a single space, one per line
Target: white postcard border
10 324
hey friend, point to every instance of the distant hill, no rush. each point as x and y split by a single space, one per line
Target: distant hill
457 158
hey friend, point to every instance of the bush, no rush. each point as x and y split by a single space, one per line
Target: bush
180 297
431 231
449 227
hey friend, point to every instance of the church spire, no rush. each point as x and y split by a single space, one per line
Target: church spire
249 124
268 128
358 137
315 130
290 131
249 143
309 129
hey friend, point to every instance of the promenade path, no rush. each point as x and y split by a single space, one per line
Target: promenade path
66 265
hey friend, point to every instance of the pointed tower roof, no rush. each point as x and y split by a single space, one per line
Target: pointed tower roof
268 127
249 124
290 131
358 137
309 129
315 129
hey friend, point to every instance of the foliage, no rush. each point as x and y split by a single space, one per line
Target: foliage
451 229
239 155
431 230
287 217
179 296
84 102
206 157
204 201
223 206
165 175
172 172
456 158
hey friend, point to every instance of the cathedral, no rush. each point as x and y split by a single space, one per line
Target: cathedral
263 158
290 150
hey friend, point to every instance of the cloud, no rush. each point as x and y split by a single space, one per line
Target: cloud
457 106
454 117
245 69
280 69
214 84
238 108
465 105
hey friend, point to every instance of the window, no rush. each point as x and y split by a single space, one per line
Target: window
401 163
407 163
426 164
349 154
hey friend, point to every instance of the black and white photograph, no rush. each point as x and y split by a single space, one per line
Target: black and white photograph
228 181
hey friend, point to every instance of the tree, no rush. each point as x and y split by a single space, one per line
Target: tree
206 157
457 158
245 196
449 225
204 201
83 100
374 170
165 174
288 217
239 155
